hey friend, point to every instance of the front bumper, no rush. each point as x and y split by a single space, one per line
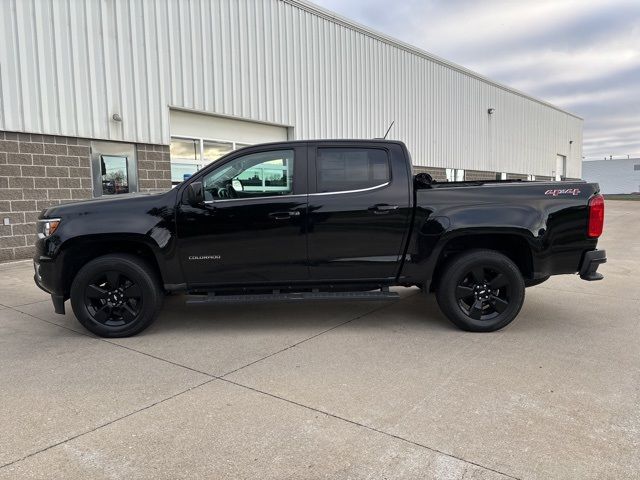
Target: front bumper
590 263
44 269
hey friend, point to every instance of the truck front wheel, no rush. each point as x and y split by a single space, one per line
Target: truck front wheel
481 291
116 295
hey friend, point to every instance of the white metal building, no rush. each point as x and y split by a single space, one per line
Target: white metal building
127 79
614 176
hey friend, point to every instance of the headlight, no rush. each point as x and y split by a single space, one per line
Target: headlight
47 226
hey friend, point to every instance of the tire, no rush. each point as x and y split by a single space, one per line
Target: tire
116 295
482 304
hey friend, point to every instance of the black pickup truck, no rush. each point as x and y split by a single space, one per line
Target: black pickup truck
322 220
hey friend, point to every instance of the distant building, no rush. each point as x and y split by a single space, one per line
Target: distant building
614 176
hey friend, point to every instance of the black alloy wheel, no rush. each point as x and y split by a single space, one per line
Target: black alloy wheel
113 299
483 293
116 295
481 290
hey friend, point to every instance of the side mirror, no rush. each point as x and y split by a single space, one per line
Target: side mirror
237 185
195 194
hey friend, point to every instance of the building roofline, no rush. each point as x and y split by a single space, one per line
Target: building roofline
611 160
334 17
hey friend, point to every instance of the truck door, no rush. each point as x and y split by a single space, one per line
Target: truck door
359 210
252 227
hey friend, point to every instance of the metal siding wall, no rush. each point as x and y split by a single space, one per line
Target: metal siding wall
68 65
614 176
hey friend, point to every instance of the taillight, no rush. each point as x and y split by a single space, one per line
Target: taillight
596 216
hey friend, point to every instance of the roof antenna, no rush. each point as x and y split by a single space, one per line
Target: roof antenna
388 130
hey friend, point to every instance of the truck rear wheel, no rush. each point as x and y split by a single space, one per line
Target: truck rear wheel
481 291
116 296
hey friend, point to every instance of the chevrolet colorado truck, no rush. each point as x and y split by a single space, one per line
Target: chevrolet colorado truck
319 220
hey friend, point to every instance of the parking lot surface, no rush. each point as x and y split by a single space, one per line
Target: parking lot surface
332 390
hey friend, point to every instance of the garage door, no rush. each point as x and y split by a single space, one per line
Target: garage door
197 139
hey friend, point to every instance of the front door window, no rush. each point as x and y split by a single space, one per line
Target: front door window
263 174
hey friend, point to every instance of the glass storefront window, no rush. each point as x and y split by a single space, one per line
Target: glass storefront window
187 159
181 171
184 149
212 151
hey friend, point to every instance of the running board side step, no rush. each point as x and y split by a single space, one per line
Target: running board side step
290 297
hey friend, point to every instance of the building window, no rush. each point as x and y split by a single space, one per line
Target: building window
531 178
184 148
114 168
636 167
455 175
212 151
188 155
344 169
185 154
115 174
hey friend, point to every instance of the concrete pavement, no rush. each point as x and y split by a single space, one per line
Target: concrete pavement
320 390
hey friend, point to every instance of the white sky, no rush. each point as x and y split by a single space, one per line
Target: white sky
582 55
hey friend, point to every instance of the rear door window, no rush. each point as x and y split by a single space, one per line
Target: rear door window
345 169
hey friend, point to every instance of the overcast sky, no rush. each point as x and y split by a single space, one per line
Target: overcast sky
581 55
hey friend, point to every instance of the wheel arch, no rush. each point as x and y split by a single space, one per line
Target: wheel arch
79 251
513 246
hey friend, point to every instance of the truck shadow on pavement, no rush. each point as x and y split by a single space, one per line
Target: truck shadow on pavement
414 309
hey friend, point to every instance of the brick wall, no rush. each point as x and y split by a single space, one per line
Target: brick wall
37 171
479 175
154 167
438 174
516 176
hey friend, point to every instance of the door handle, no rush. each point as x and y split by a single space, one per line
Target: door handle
382 208
284 215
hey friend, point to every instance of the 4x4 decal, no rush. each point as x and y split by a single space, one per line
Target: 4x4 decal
563 191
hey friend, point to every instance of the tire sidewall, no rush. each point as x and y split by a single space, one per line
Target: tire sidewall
131 267
454 274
